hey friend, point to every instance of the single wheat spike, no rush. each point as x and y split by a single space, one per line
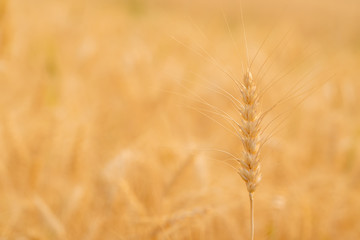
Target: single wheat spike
250 135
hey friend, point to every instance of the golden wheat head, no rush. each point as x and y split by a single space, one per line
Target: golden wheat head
250 129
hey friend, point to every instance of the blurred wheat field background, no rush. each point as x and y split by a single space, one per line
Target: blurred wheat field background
101 135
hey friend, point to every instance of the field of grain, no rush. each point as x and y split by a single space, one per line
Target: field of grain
109 124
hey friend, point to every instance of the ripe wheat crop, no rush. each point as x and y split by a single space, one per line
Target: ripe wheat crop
250 128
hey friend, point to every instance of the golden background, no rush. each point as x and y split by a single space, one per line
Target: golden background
105 133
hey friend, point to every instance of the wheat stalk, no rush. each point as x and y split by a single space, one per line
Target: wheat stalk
249 169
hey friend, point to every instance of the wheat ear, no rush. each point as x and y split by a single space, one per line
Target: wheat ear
250 135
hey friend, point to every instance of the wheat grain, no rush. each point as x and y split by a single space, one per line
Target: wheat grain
250 170
250 129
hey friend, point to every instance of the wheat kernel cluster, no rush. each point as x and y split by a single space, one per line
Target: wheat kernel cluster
250 170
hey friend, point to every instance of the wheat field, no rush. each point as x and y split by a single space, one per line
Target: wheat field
112 119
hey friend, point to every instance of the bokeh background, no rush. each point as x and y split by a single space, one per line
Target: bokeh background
106 129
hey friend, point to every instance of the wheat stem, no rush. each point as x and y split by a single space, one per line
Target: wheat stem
252 216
